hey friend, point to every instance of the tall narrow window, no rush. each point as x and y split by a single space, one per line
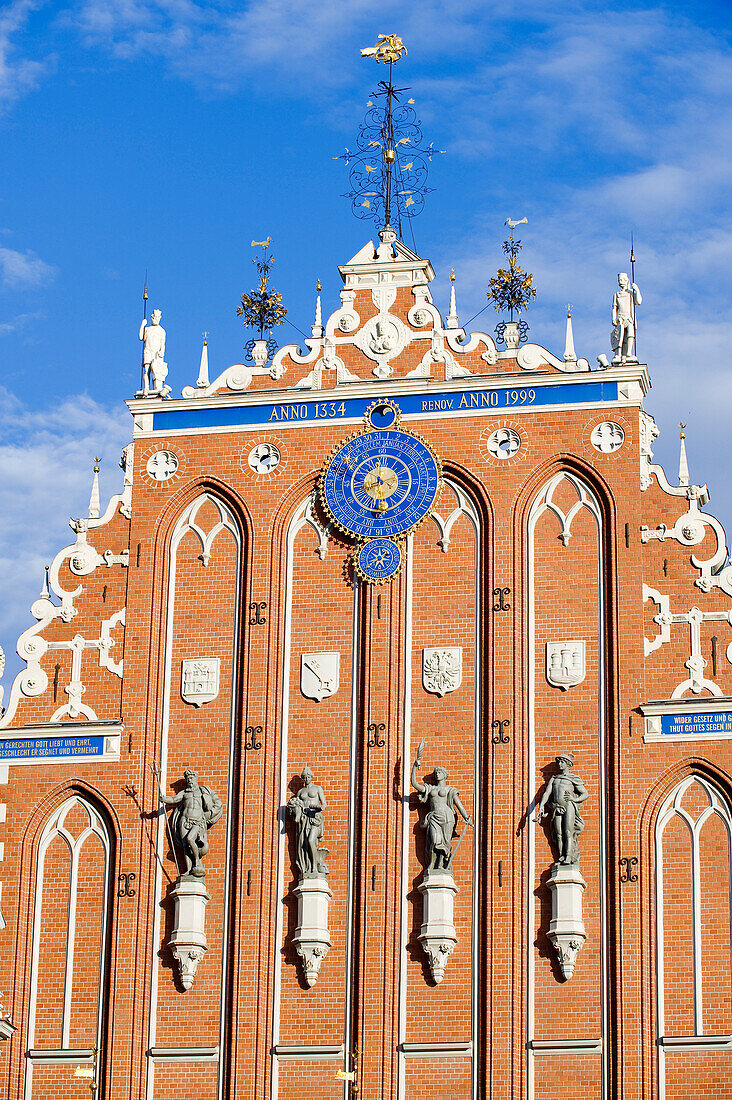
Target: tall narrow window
693 911
68 972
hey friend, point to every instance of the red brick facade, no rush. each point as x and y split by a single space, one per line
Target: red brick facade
558 541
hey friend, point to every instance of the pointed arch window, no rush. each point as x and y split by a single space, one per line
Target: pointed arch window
70 938
693 912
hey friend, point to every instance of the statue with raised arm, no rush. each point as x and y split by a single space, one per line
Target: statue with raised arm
622 337
439 821
560 802
155 369
306 808
197 808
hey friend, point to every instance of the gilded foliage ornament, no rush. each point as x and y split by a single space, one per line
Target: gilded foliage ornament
511 288
262 308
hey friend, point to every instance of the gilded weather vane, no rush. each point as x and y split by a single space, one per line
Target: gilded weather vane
388 169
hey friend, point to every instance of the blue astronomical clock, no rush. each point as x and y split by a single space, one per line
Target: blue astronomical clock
378 486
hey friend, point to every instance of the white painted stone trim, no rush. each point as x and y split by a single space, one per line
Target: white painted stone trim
540 504
171 683
294 1053
183 1054
566 1046
436 1050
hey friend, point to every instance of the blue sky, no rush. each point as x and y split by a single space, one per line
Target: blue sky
167 134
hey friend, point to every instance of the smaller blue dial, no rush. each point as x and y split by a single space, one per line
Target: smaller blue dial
379 559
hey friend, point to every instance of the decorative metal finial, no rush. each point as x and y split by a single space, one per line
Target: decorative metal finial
97 460
318 286
511 289
205 337
388 169
262 308
512 224
682 433
569 309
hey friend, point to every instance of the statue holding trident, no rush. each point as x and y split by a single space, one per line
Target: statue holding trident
439 821
622 337
197 808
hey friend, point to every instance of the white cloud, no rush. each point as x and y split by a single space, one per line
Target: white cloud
18 74
46 459
23 269
17 324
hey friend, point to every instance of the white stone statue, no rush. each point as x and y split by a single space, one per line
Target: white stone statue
622 337
155 368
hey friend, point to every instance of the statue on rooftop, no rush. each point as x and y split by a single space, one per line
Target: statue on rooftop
155 368
622 337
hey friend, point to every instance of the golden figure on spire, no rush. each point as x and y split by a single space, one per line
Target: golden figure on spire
389 48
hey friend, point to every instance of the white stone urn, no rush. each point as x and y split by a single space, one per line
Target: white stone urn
511 335
566 929
312 938
260 353
188 942
437 934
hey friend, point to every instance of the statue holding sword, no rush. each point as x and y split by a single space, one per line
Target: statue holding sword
439 822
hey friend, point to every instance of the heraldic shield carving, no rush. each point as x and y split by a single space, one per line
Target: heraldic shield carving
319 675
442 669
200 679
565 663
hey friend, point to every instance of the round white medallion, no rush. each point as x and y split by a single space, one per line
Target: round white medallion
264 457
503 443
607 437
162 465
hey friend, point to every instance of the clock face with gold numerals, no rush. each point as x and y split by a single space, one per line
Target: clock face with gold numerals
380 484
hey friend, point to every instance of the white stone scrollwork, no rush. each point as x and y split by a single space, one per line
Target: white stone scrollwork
534 357
442 669
696 664
309 519
648 432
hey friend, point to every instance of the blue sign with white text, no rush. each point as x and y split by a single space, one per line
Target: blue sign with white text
51 748
697 725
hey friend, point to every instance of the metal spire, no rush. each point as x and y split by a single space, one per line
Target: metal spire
94 498
202 381
683 464
570 356
388 169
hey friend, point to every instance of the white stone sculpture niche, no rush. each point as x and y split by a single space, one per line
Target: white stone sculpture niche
438 887
560 803
196 809
312 938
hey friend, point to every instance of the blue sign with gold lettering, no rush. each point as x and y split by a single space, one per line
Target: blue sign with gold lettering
51 748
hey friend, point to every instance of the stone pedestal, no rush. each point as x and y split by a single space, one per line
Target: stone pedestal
437 934
567 929
312 938
188 940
